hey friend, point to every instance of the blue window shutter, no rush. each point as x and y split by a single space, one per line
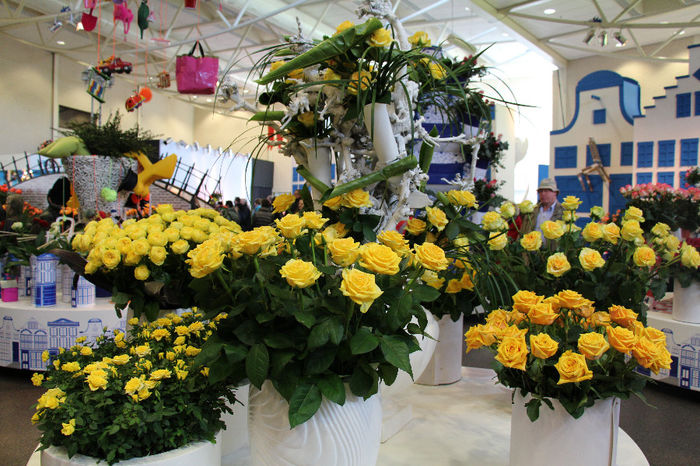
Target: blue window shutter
645 154
616 201
643 178
697 103
665 177
603 151
599 116
667 153
683 105
570 186
565 157
689 152
626 153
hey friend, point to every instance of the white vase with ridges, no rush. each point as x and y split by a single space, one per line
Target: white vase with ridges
345 435
686 302
318 162
557 438
445 366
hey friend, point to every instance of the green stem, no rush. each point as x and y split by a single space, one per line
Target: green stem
221 279
260 282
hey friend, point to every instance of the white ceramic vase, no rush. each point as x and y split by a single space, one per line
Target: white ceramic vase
318 161
200 453
378 125
557 438
445 365
686 302
336 435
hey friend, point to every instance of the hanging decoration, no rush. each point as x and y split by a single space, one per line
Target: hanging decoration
143 14
191 4
163 80
196 75
97 83
138 99
88 20
123 13
150 172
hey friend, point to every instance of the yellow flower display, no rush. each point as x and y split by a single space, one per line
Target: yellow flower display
97 380
37 379
180 246
360 287
653 356
334 203
478 336
572 368
634 213
542 314
379 259
431 256
453 286
344 251
111 258
622 315
431 278
611 233
542 346
507 210
531 241
343 26
68 427
299 273
72 366
524 300
157 255
622 339
631 230
314 220
462 198
283 202
526 207
415 226
359 81
205 259
590 259
558 264
552 230
689 256
492 221
512 352
661 229
141 273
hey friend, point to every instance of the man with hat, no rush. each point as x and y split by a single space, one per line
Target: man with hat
546 209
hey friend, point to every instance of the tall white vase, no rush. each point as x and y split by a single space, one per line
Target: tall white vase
557 438
378 124
445 366
686 302
318 162
336 435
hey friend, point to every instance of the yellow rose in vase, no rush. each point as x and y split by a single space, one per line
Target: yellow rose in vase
542 346
299 273
461 198
552 230
497 240
380 38
415 226
592 232
512 352
419 39
379 259
590 259
531 241
283 202
689 256
571 203
523 300
644 256
205 259
356 198
344 251
437 218
291 226
395 241
431 278
314 220
492 221
592 345
622 339
572 368
611 233
430 256
558 264
542 314
360 287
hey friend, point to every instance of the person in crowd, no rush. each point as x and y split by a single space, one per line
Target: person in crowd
243 213
256 205
263 216
229 212
14 207
297 207
548 208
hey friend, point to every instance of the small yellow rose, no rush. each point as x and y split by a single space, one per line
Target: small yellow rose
592 232
507 210
453 286
523 300
526 207
558 264
611 233
359 81
379 259
437 71
631 230
299 273
70 366
419 39
661 229
291 226
205 258
96 380
480 335
542 314
157 238
543 346
68 427
360 287
570 299
622 315
689 256
343 26
141 273
314 220
431 278
634 213
356 199
334 203
344 251
653 356
655 335
497 240
431 256
157 255
415 226
622 339
592 345
590 259
395 241
552 230
141 247
283 202
37 379
492 221
111 258
571 203
512 352
572 367
380 38
531 241
462 198
180 246
644 256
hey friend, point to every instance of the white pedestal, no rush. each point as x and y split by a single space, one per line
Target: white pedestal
686 302
445 367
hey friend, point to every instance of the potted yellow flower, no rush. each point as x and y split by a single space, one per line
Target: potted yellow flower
578 360
137 398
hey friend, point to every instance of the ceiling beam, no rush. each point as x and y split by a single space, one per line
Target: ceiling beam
669 40
605 25
619 55
555 56
626 10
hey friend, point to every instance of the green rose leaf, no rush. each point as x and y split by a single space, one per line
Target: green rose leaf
303 404
332 388
425 293
363 341
395 351
319 360
257 363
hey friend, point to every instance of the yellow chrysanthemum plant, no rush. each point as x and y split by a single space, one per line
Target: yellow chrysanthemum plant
610 262
310 307
130 396
143 262
565 347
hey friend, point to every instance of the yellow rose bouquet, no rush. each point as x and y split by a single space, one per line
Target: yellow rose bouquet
311 308
123 397
143 262
564 347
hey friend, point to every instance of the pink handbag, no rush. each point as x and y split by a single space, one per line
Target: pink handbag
196 75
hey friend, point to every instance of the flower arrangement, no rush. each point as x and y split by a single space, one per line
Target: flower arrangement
565 347
683 257
144 262
692 177
486 192
491 152
125 397
310 308
676 207
609 263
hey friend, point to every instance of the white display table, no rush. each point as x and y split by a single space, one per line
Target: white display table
26 331
464 423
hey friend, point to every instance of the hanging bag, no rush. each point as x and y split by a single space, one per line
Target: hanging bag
196 75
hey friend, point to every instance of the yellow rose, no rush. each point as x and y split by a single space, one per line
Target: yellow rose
70 367
634 213
479 335
160 374
296 74
512 352
622 315
141 247
205 259
611 233
111 258
314 220
497 240
543 346
552 230
419 39
379 259
331 233
343 26
360 287
569 216
689 256
661 229
671 243
359 80
599 319
96 380
180 246
631 230
141 272
395 241
380 38
299 273
466 281
356 199
330 75
653 356
558 264
492 221
622 339
344 251
68 427
431 278
511 331
276 64
437 71
592 232
283 202
526 207
571 203
572 367
291 226
307 119
592 345
157 238
86 351
462 198
655 335
121 359
507 210
542 314
430 256
460 241
531 241
644 256
570 299
523 300
158 255
590 259
334 203
453 286
415 226
37 379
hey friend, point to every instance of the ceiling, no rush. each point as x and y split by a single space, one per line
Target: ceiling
517 34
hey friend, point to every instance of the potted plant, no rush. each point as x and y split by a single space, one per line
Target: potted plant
578 359
137 397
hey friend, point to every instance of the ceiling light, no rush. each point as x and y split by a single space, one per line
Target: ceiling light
79 26
603 36
589 36
682 32
504 34
549 11
621 40
209 99
466 8
55 26
60 42
245 91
